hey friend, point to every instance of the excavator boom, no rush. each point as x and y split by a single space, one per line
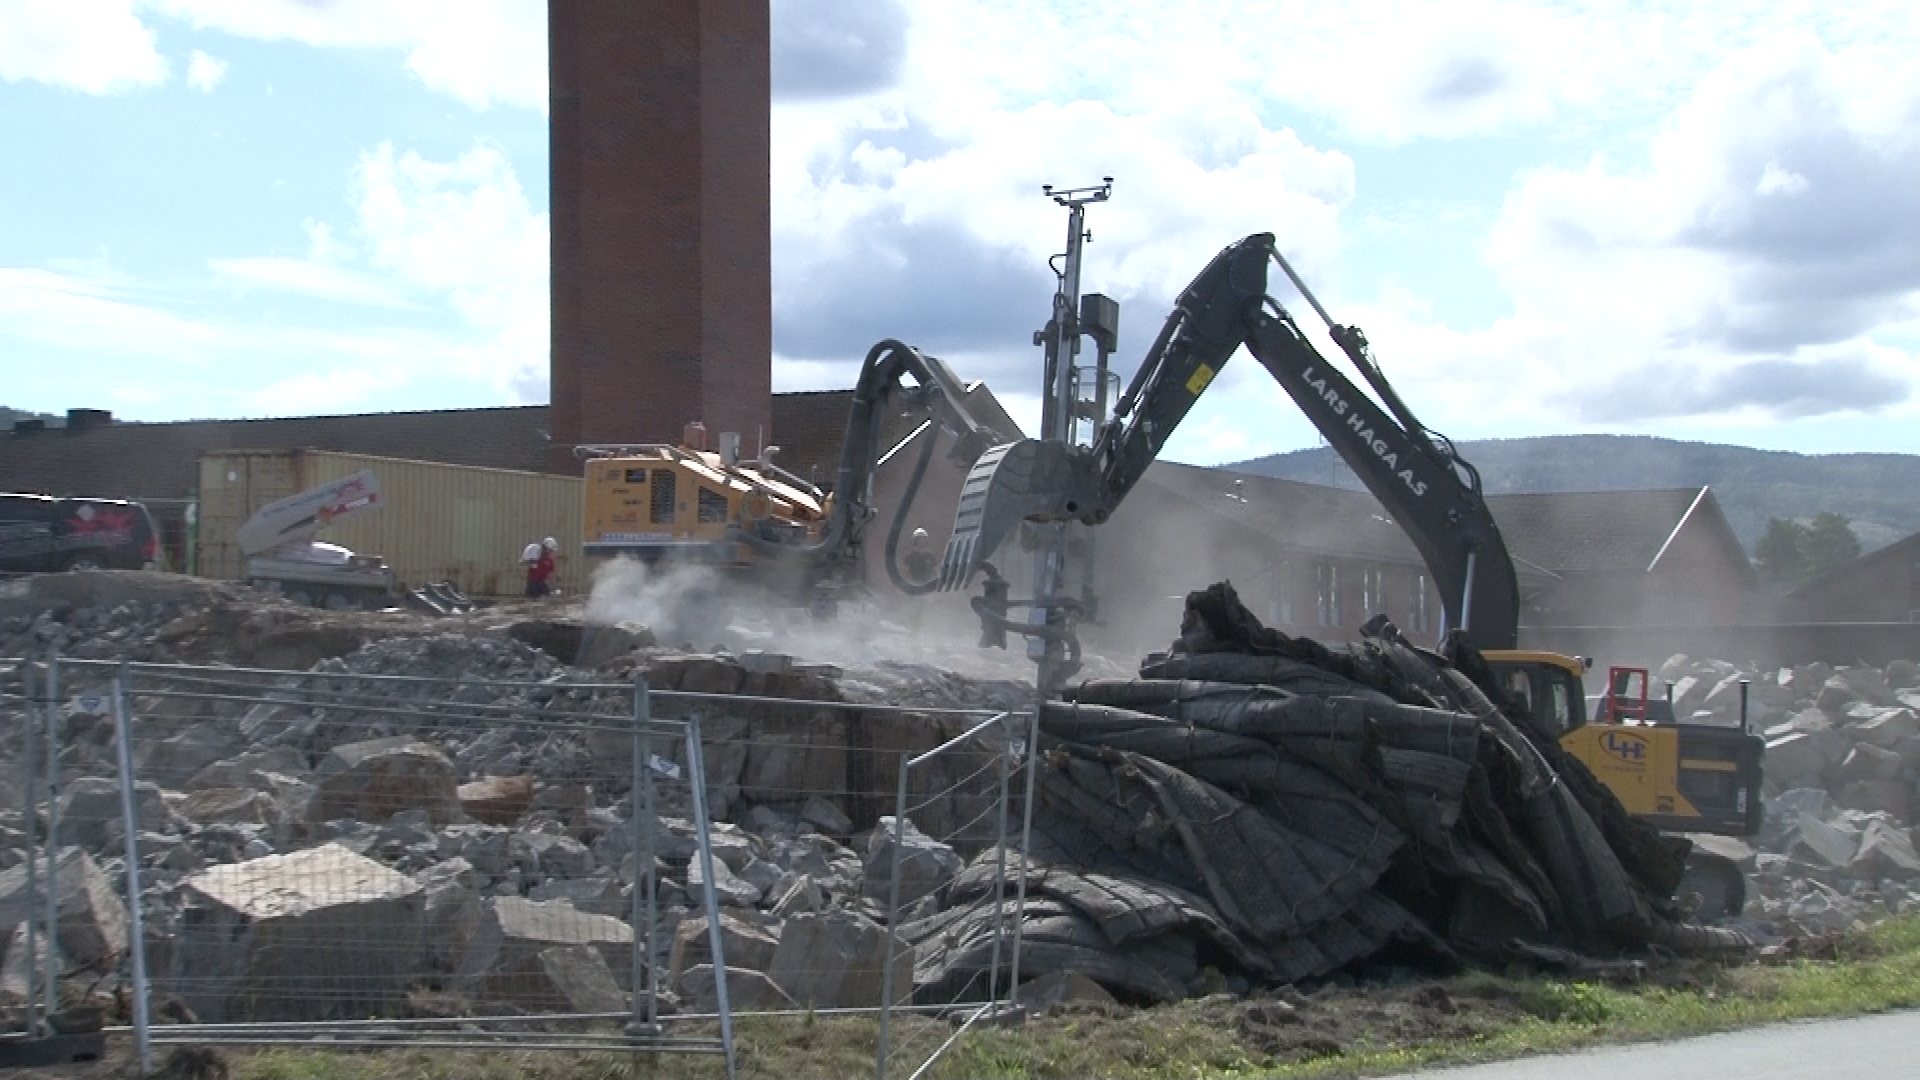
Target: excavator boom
1430 492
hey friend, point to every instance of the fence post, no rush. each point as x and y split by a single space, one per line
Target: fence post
1026 844
893 916
52 930
644 1011
697 784
1000 871
30 685
130 824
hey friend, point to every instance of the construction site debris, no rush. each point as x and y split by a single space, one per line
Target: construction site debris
1244 811
324 914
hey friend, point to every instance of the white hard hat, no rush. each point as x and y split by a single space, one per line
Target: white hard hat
919 534
550 544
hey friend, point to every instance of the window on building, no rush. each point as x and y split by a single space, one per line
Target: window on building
711 506
1327 592
663 496
1417 617
1373 591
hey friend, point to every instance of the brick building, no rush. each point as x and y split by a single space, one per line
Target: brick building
159 463
1879 587
1320 561
659 152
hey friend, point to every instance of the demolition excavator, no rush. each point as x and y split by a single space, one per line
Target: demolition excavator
759 525
1687 778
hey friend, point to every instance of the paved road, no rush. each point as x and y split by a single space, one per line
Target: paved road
1857 1049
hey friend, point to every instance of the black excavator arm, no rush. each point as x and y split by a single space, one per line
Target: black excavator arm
1433 495
882 391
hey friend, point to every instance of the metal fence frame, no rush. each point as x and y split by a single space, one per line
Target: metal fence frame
1016 736
45 685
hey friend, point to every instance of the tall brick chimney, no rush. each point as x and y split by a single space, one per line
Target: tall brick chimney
658 161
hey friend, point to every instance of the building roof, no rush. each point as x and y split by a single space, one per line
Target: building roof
1553 534
809 427
1900 550
1300 516
160 462
1611 532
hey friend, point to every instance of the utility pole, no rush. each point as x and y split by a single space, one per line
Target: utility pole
1052 612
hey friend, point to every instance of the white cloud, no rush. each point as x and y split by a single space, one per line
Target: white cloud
50 310
452 244
205 72
95 46
481 52
464 230
1757 264
309 278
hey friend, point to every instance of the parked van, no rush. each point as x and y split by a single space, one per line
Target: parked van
40 533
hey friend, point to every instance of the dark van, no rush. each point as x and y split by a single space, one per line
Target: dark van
39 533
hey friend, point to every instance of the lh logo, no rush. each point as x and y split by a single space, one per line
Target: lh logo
1631 749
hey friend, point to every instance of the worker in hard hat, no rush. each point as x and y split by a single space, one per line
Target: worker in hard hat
919 560
539 561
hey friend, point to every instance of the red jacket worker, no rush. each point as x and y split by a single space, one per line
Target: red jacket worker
539 562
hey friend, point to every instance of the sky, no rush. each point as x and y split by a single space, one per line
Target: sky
1696 220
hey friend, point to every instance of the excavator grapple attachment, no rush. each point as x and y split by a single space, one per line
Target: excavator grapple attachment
1029 480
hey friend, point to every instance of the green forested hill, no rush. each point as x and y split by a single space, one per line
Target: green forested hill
1879 492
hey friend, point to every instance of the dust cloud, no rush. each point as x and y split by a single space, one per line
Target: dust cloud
702 608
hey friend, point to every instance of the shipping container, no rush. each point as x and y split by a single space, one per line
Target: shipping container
454 523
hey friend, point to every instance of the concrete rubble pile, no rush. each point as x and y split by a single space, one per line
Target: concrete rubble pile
1260 809
1842 780
1250 810
398 846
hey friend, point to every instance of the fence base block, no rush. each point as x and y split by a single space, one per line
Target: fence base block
27 1053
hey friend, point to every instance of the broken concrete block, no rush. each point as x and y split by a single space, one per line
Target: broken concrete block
730 844
372 781
575 978
1886 852
175 760
1893 797
1795 760
1834 696
555 855
1866 684
1723 701
796 755
763 875
1824 842
597 894
731 889
1869 762
1902 674
1888 728
747 991
91 815
826 816
800 896
92 920
240 771
23 973
503 960
497 800
926 864
746 946
452 910
228 806
837 959
315 934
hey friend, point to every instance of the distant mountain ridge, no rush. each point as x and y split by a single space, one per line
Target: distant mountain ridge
1879 492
